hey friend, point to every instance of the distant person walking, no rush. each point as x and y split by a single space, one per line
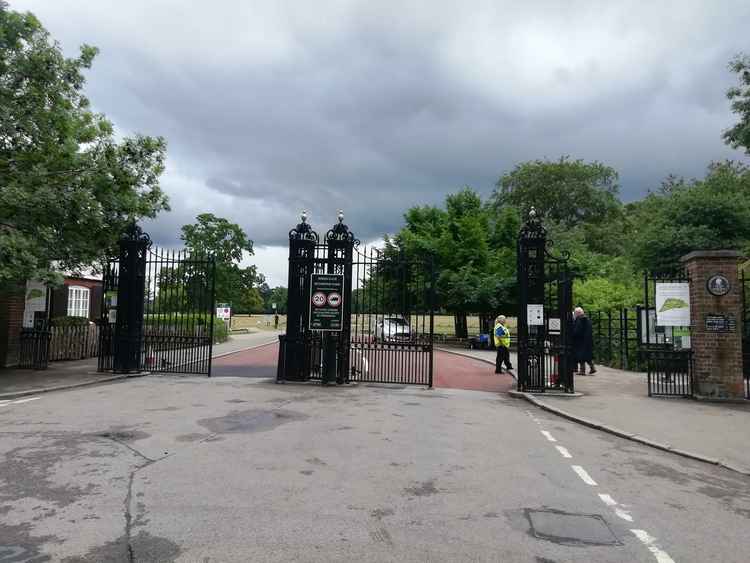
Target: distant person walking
501 335
583 342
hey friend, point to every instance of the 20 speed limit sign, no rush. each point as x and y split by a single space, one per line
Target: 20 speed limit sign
326 302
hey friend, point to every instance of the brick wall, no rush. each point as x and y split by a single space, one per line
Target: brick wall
718 355
12 303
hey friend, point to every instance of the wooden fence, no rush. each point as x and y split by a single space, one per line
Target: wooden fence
73 342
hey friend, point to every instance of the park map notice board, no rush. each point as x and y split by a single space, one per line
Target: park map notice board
673 304
326 301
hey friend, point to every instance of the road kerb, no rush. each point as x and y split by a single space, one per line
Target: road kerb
40 390
629 436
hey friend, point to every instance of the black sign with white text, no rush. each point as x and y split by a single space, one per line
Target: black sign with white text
326 301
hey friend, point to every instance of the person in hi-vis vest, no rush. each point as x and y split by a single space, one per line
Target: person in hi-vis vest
502 343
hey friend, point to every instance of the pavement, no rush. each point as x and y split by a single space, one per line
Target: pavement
617 401
61 375
236 468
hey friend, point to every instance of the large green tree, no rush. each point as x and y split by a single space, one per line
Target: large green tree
564 191
228 244
738 136
712 213
67 186
473 246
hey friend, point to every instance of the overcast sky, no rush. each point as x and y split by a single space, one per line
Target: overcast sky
271 107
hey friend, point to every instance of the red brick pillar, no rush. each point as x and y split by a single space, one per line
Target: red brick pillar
716 332
12 303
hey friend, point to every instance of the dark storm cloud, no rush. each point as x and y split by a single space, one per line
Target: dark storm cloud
377 107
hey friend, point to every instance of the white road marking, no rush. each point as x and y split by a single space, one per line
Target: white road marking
660 555
25 400
547 435
563 452
17 402
621 513
583 475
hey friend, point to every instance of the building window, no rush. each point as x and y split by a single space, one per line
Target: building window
78 301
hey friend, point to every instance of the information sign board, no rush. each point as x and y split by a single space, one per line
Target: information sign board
535 314
672 304
326 302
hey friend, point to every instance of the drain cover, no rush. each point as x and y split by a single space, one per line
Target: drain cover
568 528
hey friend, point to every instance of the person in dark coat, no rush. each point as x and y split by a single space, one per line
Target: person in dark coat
583 342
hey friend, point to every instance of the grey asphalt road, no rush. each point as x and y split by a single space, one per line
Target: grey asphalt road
233 469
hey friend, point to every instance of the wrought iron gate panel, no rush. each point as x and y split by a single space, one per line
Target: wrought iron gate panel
393 319
377 287
158 311
667 353
545 353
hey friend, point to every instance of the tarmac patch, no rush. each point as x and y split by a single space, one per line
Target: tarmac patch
249 421
568 528
191 437
424 489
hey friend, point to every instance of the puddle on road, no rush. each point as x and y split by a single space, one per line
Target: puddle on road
253 420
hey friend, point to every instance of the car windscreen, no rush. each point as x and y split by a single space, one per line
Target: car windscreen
396 321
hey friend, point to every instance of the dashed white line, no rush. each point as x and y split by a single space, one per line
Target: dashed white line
621 513
660 555
585 477
563 452
18 402
547 435
25 400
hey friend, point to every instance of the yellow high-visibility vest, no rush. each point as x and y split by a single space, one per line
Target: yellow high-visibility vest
502 336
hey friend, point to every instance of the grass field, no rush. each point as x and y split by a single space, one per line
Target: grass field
443 323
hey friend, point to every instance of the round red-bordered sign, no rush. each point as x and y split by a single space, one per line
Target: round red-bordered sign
334 299
319 299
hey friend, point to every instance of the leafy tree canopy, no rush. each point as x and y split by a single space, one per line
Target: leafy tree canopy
565 191
738 137
67 187
708 214
228 243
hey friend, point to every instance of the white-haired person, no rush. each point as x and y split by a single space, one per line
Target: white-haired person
501 335
583 342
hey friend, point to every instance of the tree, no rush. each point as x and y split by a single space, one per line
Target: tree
228 243
708 214
473 246
67 187
739 136
568 192
278 295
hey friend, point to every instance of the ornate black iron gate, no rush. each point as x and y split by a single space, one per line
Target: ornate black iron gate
666 349
545 354
158 310
387 315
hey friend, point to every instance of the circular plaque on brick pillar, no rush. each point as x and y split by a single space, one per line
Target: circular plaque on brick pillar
718 285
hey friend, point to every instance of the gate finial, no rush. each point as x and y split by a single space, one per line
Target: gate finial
303 231
532 227
340 231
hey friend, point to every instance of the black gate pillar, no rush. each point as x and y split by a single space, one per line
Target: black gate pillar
293 363
131 288
532 243
340 242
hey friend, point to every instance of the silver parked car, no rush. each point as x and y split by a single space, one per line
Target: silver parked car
392 328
